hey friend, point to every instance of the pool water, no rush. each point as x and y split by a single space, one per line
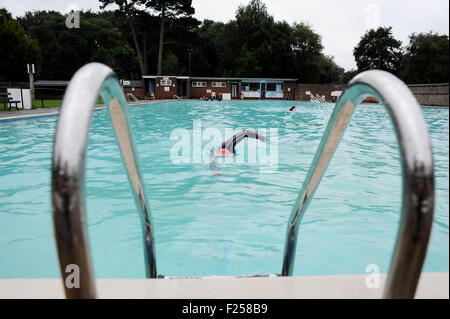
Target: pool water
233 224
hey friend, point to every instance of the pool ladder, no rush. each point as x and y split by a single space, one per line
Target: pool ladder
134 98
68 166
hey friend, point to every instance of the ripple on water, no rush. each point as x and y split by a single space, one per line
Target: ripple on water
234 224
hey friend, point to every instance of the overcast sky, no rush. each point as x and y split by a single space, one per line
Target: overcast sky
340 23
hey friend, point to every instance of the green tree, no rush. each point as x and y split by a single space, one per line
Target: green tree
16 49
254 27
280 58
307 48
255 45
227 43
65 50
128 11
349 75
179 35
426 58
137 18
206 58
168 9
378 49
329 71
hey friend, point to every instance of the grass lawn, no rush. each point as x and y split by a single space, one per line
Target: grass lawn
39 104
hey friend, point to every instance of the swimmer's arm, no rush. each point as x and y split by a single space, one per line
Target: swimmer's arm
213 166
240 136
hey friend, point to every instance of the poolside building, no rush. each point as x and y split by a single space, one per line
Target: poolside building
166 87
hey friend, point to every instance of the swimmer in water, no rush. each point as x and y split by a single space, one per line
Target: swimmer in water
228 148
292 109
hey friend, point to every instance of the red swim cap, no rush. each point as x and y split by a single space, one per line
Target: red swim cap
225 152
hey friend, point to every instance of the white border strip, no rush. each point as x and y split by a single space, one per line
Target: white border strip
44 114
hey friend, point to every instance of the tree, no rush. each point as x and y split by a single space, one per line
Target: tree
307 47
426 58
251 45
168 9
254 26
206 58
255 45
329 71
349 75
16 49
65 50
179 35
128 12
378 49
227 43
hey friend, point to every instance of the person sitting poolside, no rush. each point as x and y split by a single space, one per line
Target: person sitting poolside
228 148
292 109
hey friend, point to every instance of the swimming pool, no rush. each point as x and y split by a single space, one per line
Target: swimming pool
233 224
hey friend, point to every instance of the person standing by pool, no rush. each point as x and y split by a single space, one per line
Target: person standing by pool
228 147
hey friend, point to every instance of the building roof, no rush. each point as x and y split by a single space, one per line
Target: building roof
127 83
165 76
132 83
242 79
205 78
51 83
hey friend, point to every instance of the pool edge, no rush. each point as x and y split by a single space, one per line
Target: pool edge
51 112
431 285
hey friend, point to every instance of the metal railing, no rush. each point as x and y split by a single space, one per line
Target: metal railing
134 98
417 168
320 99
316 98
313 99
68 166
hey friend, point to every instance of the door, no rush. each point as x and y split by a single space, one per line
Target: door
234 90
151 86
182 87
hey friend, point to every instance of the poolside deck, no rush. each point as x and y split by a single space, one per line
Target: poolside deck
431 285
23 114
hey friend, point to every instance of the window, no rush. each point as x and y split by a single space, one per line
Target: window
279 87
197 84
254 87
166 82
271 87
219 84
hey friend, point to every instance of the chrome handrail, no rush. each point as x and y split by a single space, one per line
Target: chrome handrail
68 166
417 168
320 99
134 98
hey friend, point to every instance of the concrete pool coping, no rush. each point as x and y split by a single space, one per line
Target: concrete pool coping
431 286
33 113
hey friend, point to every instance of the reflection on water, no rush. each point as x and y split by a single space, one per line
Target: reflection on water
233 224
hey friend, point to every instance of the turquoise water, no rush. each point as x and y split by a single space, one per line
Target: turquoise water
233 224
